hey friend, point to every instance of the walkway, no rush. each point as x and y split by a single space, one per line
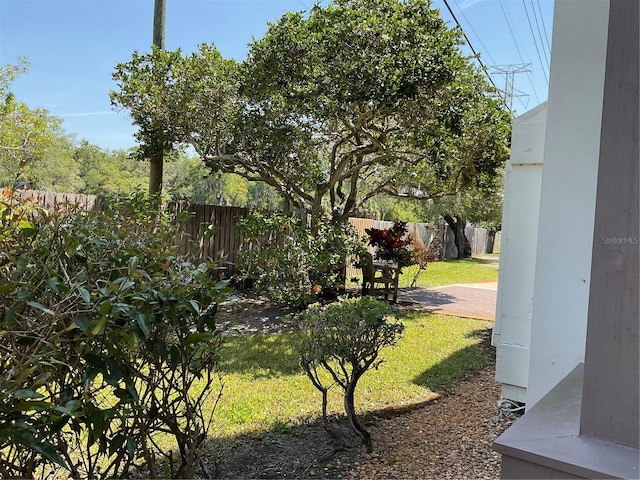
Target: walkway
473 300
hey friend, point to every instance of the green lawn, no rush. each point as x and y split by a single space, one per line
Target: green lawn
448 272
266 390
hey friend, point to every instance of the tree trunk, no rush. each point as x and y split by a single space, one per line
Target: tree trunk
156 165
458 225
350 409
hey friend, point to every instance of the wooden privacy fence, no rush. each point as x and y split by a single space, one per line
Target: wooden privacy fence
208 232
54 201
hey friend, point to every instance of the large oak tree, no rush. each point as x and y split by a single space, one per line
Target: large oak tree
331 107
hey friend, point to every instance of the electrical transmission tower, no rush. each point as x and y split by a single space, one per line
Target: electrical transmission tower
509 72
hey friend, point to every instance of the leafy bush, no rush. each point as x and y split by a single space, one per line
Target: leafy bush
344 339
104 332
292 262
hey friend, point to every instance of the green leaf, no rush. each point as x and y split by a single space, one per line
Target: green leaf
32 406
174 355
97 417
195 305
198 337
48 452
27 228
113 375
24 394
131 388
161 348
72 408
100 326
40 307
54 283
84 293
131 447
105 307
116 443
133 264
143 322
9 314
83 323
94 360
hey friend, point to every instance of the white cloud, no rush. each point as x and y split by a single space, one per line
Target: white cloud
465 4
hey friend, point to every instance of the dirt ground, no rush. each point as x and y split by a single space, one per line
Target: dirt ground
446 438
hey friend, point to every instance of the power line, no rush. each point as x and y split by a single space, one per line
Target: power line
544 27
515 42
535 94
535 42
517 48
542 39
484 68
486 50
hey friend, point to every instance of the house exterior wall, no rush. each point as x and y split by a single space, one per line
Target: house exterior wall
612 356
588 425
567 207
512 330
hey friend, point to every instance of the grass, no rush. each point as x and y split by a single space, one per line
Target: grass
449 272
266 392
446 272
265 389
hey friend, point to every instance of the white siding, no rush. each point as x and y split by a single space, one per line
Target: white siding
565 234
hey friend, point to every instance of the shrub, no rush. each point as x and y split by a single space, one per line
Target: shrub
104 332
344 339
292 262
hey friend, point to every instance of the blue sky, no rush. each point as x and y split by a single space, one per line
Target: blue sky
74 45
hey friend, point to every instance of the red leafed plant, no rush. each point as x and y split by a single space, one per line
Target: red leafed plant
392 244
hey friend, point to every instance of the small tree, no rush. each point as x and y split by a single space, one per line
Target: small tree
345 339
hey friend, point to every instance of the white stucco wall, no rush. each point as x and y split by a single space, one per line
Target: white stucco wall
565 230
514 306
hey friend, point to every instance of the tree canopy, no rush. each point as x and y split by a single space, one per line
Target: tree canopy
331 107
25 133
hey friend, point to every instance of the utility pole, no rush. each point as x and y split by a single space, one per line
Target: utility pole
159 21
156 162
509 72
